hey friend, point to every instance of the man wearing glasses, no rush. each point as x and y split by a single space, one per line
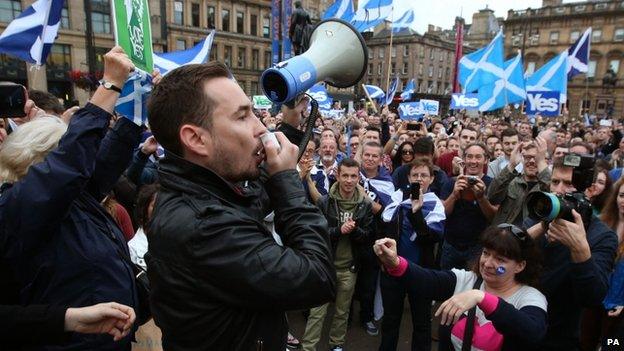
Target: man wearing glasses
510 188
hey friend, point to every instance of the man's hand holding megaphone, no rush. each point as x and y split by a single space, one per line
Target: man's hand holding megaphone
294 116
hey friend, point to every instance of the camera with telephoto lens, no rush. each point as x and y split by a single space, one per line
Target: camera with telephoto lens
542 206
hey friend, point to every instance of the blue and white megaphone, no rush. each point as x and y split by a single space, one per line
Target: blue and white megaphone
337 56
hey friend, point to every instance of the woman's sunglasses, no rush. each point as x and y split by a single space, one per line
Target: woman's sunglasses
517 232
407 152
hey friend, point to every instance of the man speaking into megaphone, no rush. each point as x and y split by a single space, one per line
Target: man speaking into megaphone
219 280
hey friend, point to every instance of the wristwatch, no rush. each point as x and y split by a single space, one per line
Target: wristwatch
110 86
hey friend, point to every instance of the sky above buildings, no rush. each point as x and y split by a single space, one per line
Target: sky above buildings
442 13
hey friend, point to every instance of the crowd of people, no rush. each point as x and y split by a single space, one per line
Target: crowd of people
200 224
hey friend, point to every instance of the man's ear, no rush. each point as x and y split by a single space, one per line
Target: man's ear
195 140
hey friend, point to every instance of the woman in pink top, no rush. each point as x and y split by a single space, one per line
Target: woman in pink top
509 315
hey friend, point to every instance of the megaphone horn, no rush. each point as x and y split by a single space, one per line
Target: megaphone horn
337 55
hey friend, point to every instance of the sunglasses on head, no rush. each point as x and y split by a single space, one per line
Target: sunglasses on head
517 232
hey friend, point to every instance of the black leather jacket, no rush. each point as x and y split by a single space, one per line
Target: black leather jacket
362 237
219 280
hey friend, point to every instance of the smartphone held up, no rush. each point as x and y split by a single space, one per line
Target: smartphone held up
12 100
415 191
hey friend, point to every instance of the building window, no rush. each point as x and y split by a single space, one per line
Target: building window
530 68
211 17
253 26
591 69
422 51
241 57
381 52
195 15
442 54
430 71
447 73
178 12
225 20
379 68
371 53
370 69
180 44
266 27
394 50
618 35
214 52
439 72
254 88
9 10
406 50
420 69
240 22
431 54
64 16
574 35
100 16
267 59
405 68
255 59
579 8
554 38
393 68
227 56
601 6
614 65
59 59
596 35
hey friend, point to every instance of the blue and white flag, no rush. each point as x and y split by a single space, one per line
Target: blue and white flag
408 90
319 93
342 9
31 35
199 53
508 90
578 54
134 94
379 187
553 76
482 67
371 14
432 208
374 92
406 21
392 90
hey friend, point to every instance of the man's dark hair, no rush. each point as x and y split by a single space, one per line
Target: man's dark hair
369 128
482 146
180 99
424 146
509 132
469 129
46 101
587 146
491 136
348 162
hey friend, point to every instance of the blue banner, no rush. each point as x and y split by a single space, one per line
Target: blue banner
319 93
432 107
546 103
275 31
465 101
286 43
411 111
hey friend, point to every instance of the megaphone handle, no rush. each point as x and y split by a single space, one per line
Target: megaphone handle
309 126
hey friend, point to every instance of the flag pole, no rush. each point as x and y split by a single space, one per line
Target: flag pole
459 34
390 54
369 98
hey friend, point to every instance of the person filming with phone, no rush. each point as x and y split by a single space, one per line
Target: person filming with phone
468 210
419 218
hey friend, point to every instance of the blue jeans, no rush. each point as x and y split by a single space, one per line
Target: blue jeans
453 257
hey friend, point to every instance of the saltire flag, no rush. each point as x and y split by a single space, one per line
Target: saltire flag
371 14
405 21
408 90
482 67
374 91
30 36
553 76
392 90
432 208
379 187
132 100
199 53
504 91
578 54
342 9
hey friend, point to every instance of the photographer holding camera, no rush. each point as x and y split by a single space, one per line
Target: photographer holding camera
579 249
